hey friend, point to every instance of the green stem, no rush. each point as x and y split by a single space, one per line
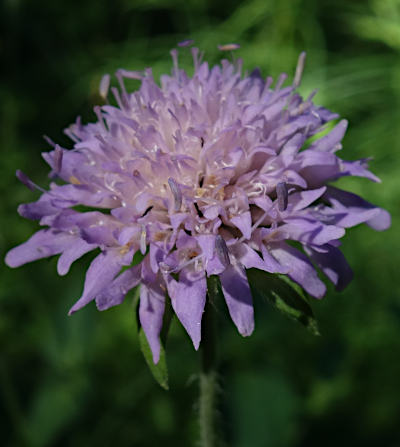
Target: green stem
209 388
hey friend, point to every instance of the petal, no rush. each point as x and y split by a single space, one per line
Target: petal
188 298
36 210
313 158
332 263
115 293
151 311
42 244
101 272
310 231
250 259
300 200
71 254
331 141
243 222
238 298
291 148
300 268
352 210
358 168
207 244
157 255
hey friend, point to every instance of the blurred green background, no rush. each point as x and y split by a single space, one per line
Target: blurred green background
81 381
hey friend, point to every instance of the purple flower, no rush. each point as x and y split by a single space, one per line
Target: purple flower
203 175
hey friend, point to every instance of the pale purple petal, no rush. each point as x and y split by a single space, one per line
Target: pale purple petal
250 259
358 168
243 222
207 244
331 141
303 199
300 268
42 244
351 210
101 272
73 252
115 292
238 298
188 298
151 311
310 231
332 263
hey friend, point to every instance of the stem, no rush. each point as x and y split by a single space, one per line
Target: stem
209 387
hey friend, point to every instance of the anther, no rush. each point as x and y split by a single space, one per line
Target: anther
143 235
299 69
186 43
176 193
229 47
104 86
282 195
222 250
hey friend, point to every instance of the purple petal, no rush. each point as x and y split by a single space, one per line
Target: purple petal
36 210
238 298
300 268
243 222
207 244
332 263
311 232
101 272
115 293
352 210
151 311
73 252
301 200
314 158
42 244
188 297
291 148
250 259
157 255
331 141
358 168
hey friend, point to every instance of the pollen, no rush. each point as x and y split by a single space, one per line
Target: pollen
74 180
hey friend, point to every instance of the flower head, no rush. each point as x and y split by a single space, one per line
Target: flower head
203 175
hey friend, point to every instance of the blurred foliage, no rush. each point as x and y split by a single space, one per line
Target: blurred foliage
81 381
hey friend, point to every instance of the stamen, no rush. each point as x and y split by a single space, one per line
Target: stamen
222 250
282 195
299 69
176 193
229 47
186 43
49 141
23 178
196 59
104 86
174 55
143 235
57 159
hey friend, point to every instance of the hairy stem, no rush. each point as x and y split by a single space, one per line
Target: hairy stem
209 387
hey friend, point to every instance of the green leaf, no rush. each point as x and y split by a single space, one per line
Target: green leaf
285 295
160 370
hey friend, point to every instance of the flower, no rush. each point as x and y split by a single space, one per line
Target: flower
203 175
